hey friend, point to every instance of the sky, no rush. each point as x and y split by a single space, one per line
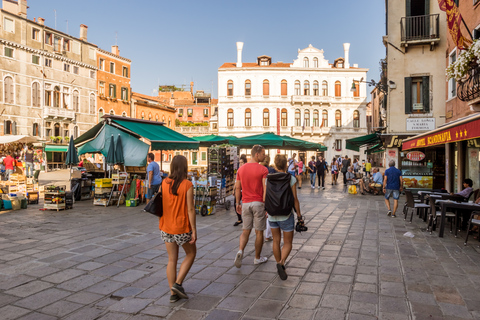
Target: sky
176 42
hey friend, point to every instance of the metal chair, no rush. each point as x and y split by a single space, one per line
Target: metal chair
411 205
475 222
435 214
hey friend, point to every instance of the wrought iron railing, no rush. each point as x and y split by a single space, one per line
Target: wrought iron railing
420 28
469 89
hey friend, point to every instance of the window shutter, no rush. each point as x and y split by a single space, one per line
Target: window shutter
408 9
12 92
34 94
427 7
4 127
408 95
14 127
426 93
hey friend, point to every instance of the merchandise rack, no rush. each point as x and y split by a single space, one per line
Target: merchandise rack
54 198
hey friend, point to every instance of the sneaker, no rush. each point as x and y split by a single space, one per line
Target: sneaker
174 298
268 239
319 187
281 271
237 223
394 216
313 187
260 261
238 259
178 289
323 188
389 213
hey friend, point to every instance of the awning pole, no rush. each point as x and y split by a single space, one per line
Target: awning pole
161 159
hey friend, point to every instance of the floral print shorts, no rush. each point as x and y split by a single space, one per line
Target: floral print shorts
180 239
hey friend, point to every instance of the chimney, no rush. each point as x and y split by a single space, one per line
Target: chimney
115 50
83 32
41 21
346 48
191 87
22 8
239 54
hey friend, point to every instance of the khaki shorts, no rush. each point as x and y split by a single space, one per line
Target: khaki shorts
253 216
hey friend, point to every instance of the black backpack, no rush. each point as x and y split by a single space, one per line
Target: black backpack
279 200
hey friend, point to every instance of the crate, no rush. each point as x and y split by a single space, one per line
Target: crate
32 197
132 202
100 202
103 183
103 190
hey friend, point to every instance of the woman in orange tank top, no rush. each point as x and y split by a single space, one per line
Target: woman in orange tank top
177 225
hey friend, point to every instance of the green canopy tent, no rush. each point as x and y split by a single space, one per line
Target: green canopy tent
270 140
211 139
369 139
375 149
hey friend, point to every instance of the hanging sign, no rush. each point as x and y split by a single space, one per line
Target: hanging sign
415 156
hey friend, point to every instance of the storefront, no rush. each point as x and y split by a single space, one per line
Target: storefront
56 156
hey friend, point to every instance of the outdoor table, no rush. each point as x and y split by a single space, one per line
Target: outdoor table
449 204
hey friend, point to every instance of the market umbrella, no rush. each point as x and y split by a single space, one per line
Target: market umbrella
111 152
119 151
72 157
211 139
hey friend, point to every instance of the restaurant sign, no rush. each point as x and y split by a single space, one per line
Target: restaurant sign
465 131
415 156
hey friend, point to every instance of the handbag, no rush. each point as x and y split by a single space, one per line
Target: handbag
352 189
155 205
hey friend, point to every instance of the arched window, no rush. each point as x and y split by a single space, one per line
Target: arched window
306 120
76 101
230 118
163 119
248 118
283 88
338 89
156 117
8 90
92 103
306 88
248 88
284 118
356 93
266 118
56 96
169 122
305 62
315 62
266 87
9 127
143 115
315 88
338 118
297 88
124 114
356 119
36 130
298 120
112 112
316 122
170 157
36 94
324 88
324 118
100 114
75 132
149 116
230 88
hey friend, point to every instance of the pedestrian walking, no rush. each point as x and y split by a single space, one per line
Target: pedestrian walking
154 176
299 176
292 165
313 171
355 165
321 165
334 168
266 163
9 164
392 185
281 217
29 157
241 162
178 225
344 168
250 184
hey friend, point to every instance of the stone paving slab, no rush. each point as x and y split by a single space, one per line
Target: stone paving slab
353 263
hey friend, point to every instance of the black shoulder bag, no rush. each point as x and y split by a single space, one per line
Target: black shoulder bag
155 205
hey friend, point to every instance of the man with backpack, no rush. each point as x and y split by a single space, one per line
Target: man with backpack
321 168
313 172
280 198
292 165
250 186
345 165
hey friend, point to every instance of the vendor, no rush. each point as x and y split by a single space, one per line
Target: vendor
153 175
82 160
9 163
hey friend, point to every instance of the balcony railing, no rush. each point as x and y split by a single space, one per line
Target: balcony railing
310 99
59 113
470 88
420 29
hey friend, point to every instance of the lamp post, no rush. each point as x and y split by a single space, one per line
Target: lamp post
381 86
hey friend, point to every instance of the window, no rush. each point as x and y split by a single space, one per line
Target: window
315 88
66 97
35 59
356 119
36 130
324 88
92 103
205 112
48 95
48 62
112 90
76 104
112 112
324 118
284 118
101 88
417 95
75 69
356 93
180 112
48 38
194 158
283 88
204 156
124 94
266 88
338 118
248 88
143 115
452 83
297 88
316 122
338 89
298 121
248 118
100 114
66 67
9 25
169 122
112 67
9 127
56 97
230 88
56 43
306 120
185 154
230 118
75 132
306 88
66 45
124 114
189 112
156 117
125 72
92 74
8 52
305 62
315 62
36 94
338 145
101 64
266 118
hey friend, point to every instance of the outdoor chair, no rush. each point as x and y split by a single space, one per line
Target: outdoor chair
405 206
435 214
474 222
412 206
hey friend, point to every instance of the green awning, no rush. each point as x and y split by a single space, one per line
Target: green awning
90 134
54 148
369 139
161 137
375 149
211 139
270 140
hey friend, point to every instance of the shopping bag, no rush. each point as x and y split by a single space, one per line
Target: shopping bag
352 189
155 205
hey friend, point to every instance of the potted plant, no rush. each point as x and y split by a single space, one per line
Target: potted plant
67 139
59 139
53 139
467 59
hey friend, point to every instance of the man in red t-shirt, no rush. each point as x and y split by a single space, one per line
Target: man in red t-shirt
251 179
9 164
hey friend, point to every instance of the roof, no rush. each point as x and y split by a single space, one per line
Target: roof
255 65
107 53
159 104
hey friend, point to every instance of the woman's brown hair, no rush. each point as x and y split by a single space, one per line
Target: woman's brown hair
280 162
178 172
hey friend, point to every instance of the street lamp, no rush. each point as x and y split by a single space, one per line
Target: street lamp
382 87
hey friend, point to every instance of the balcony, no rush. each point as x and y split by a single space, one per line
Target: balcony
58 113
310 100
420 30
469 89
193 131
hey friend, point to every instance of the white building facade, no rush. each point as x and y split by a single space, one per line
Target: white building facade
309 99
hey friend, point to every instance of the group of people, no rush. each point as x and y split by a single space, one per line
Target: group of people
9 162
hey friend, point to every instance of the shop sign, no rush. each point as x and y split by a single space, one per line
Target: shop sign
418 124
415 156
394 141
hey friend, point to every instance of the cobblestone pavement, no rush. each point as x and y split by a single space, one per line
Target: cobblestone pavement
353 263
